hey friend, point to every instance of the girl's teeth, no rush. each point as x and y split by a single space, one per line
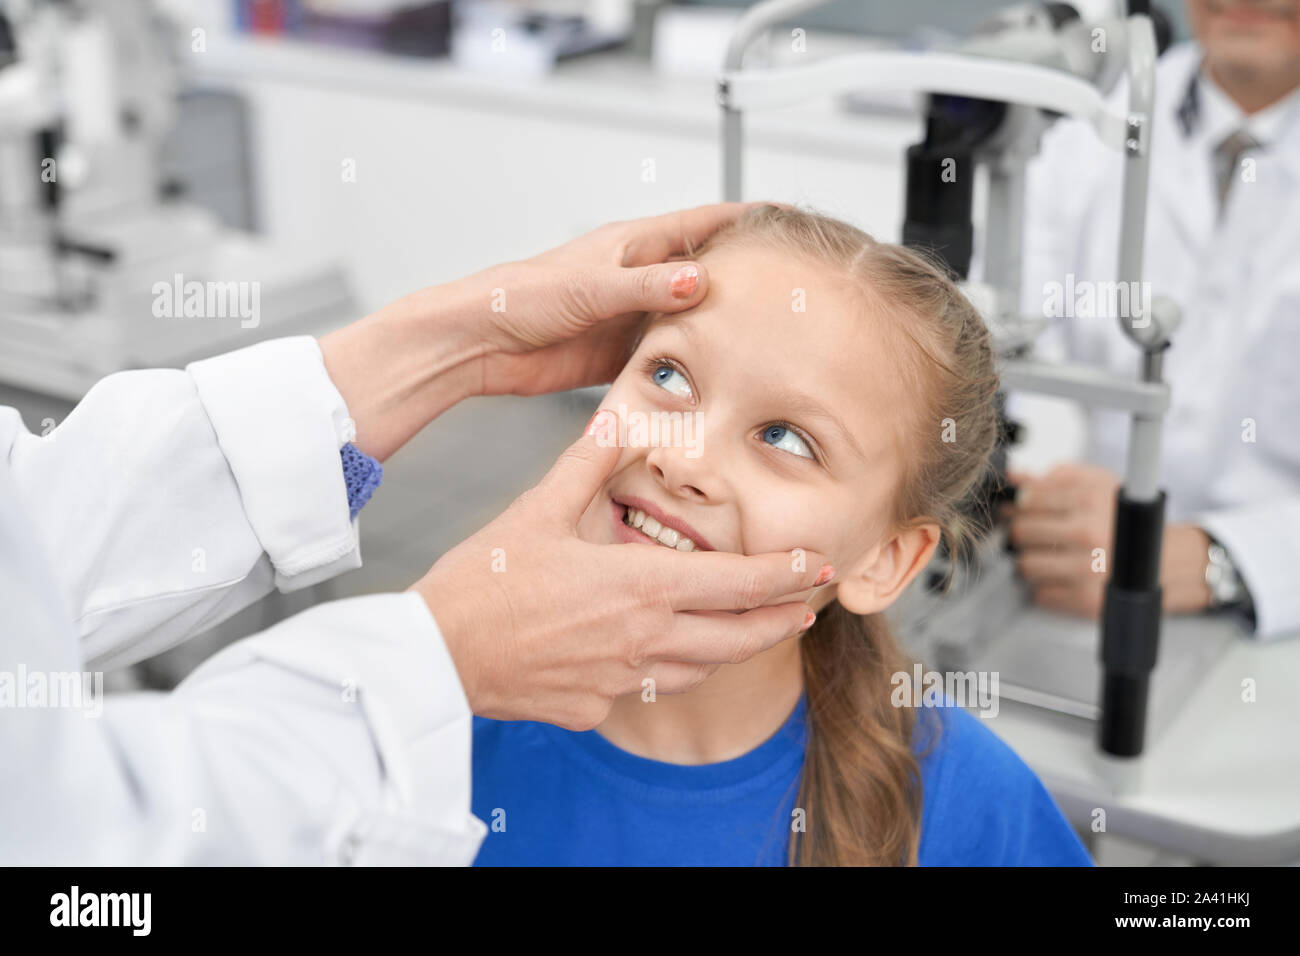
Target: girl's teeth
666 536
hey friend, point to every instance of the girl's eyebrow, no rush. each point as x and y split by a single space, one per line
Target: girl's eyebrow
676 322
655 321
805 407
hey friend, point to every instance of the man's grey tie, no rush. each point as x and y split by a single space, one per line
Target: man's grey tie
1227 157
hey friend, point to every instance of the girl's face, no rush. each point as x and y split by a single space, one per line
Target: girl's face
768 418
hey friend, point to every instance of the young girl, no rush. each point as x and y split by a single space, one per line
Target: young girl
843 390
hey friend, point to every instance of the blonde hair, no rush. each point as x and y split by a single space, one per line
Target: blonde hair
860 788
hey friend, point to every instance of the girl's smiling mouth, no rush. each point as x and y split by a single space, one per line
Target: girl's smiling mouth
639 521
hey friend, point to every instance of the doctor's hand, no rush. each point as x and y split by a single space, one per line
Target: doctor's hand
567 318
545 626
1059 521
564 319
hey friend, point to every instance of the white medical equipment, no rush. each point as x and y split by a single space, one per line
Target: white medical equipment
92 232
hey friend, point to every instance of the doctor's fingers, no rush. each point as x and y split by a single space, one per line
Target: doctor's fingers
1081 599
1059 564
674 677
582 712
1068 487
1051 531
718 637
656 238
1046 496
598 294
717 581
565 491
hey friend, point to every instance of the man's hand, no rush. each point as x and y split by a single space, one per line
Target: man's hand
1058 521
545 626
564 319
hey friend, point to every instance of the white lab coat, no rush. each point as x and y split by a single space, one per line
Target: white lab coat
1232 366
165 502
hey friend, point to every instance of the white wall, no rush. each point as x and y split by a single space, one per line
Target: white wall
454 173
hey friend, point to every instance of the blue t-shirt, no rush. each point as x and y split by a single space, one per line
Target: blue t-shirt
552 797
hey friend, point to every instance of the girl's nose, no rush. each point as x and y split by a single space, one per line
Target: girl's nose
679 475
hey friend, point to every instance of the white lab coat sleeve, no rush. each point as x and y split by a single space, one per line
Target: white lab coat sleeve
169 499
340 736
1264 541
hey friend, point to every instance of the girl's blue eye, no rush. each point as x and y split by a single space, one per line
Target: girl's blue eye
779 436
667 377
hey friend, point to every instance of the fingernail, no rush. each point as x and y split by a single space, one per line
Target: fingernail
825 574
600 423
808 620
684 282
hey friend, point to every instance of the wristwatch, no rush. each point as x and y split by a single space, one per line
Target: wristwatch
1227 590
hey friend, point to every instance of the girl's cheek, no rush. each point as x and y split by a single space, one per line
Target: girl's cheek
777 520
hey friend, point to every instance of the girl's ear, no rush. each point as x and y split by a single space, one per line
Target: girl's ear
880 576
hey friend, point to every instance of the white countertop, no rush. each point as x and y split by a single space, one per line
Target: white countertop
1220 782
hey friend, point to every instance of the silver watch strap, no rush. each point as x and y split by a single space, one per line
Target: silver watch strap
1226 587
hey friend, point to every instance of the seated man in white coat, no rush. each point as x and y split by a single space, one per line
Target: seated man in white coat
1223 242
